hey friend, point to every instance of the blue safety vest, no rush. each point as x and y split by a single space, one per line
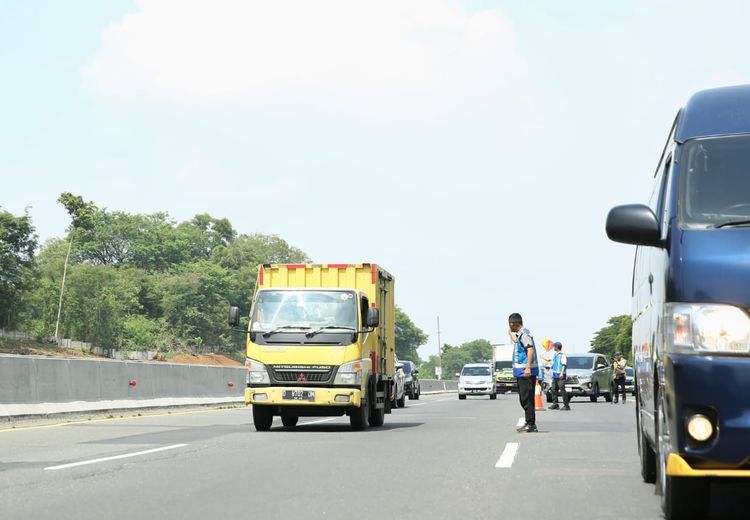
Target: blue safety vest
520 356
557 365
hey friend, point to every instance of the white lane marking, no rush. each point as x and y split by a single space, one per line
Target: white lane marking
443 400
418 404
508 455
521 422
116 457
317 422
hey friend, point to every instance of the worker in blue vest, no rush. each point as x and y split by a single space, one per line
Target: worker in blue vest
559 373
525 369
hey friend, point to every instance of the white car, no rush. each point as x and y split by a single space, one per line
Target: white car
399 387
476 379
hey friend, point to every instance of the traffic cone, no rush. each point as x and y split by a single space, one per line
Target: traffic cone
538 404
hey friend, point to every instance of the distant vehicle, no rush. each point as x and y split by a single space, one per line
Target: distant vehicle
399 387
476 379
629 380
411 381
502 358
589 375
690 300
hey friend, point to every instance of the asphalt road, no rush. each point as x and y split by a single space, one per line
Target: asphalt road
437 458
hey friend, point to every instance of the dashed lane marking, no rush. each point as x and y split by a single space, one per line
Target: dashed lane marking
116 457
508 456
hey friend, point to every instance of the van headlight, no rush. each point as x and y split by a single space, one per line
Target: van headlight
256 372
697 328
349 374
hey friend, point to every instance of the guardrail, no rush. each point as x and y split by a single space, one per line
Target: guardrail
37 385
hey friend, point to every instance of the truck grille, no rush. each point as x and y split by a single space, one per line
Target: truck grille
302 373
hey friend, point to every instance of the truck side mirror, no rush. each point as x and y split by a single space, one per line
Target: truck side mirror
234 316
373 317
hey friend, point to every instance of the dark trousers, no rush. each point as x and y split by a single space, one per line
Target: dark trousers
558 386
526 386
620 385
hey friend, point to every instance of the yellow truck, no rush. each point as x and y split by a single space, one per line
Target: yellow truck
320 342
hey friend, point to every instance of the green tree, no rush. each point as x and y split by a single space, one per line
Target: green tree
17 245
616 336
409 337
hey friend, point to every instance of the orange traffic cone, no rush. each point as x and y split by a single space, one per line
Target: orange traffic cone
538 404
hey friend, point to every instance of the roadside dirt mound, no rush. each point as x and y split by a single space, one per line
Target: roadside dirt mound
204 359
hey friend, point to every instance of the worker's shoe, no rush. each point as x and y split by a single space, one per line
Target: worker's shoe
527 428
554 407
566 407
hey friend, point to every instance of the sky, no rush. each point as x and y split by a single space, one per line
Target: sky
472 148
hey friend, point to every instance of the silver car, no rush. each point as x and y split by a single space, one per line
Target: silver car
588 375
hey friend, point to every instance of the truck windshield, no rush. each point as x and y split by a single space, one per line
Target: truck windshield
475 371
715 185
287 309
580 362
500 365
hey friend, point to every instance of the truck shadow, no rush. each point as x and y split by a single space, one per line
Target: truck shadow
301 428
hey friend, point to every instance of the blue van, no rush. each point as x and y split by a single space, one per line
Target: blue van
691 299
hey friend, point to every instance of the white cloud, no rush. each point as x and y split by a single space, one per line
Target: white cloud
385 57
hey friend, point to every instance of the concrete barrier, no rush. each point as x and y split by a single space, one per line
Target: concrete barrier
35 385
434 386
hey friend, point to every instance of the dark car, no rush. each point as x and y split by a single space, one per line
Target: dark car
411 381
690 301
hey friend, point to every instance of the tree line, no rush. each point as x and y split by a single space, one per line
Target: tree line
141 282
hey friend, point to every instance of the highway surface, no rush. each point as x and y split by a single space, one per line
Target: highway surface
437 458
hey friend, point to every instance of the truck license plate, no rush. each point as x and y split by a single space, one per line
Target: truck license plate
299 395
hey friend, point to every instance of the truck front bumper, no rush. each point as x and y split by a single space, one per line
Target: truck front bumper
281 395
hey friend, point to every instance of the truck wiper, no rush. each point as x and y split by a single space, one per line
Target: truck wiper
733 223
321 329
282 329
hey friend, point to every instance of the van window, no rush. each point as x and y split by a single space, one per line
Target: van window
715 181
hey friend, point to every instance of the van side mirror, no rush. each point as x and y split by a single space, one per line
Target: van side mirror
634 224
234 316
373 317
458 375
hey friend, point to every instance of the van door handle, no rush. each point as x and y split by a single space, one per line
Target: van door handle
651 283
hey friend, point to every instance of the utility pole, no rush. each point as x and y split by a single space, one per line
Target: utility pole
440 348
62 289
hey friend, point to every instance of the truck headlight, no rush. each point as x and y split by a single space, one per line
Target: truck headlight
697 328
349 374
256 372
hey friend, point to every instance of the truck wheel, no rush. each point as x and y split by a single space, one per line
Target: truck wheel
358 416
376 416
462 396
289 421
262 417
681 497
595 395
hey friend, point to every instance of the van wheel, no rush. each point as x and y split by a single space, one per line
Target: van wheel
462 396
595 395
401 403
493 396
647 456
262 417
416 394
289 421
608 396
681 497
